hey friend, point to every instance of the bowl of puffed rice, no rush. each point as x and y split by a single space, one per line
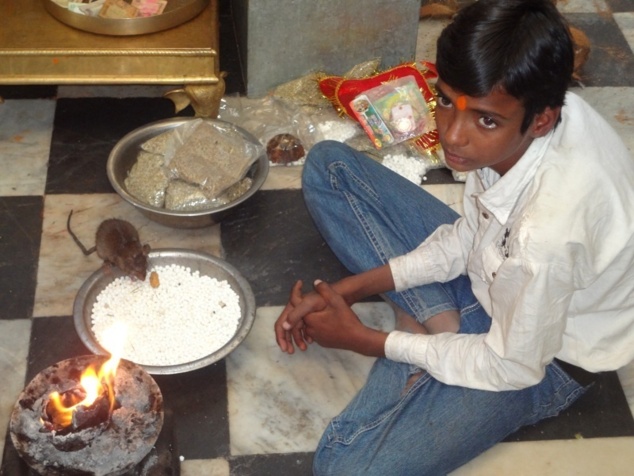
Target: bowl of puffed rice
187 172
192 310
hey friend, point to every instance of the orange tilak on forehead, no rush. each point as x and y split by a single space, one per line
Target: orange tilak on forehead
461 103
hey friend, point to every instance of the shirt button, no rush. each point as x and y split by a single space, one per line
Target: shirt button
494 274
485 215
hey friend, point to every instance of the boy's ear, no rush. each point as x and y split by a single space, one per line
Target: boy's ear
545 121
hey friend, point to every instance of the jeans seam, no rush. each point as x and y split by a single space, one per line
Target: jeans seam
418 311
354 205
564 381
338 169
470 308
377 422
366 227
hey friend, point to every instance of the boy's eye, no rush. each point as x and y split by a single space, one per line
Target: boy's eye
487 122
443 101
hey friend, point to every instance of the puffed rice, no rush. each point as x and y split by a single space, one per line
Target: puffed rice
187 317
411 168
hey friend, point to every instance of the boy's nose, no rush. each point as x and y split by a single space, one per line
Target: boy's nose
456 132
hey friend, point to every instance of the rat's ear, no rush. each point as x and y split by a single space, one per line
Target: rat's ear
544 121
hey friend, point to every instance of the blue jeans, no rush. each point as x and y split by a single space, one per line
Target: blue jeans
368 214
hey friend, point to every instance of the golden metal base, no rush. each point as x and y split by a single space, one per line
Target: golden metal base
35 48
204 99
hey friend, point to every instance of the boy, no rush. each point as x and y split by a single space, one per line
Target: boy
535 278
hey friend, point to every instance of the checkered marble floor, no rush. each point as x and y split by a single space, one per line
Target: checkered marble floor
258 411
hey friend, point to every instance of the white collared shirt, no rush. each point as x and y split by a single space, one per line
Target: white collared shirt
549 249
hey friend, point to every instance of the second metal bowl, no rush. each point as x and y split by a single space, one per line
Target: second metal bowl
124 155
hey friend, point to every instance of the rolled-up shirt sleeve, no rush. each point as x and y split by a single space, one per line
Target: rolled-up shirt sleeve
440 258
525 335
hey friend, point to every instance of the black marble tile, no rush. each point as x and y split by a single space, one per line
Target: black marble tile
53 339
20 235
439 176
601 412
12 463
85 131
163 459
198 400
28 92
611 61
230 61
292 464
620 5
272 241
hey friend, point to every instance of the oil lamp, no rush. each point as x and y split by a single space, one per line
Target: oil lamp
89 415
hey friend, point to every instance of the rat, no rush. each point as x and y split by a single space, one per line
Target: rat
117 243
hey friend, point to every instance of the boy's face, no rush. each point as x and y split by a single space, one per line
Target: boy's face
484 131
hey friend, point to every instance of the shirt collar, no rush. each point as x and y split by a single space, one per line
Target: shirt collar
502 193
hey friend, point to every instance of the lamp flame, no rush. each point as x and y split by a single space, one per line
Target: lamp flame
94 383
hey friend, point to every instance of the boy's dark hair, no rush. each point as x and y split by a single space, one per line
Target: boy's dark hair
522 46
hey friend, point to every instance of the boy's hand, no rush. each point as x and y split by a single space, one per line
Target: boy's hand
326 317
337 326
334 325
290 325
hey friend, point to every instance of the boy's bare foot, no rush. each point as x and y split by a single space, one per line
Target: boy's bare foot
447 321
406 323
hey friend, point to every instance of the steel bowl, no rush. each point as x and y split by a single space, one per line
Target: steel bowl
124 155
176 13
206 265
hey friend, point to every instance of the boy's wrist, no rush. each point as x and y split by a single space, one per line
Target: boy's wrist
371 343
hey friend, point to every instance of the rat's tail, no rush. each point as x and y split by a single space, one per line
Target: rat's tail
76 240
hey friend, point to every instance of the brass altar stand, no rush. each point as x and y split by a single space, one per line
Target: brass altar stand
36 48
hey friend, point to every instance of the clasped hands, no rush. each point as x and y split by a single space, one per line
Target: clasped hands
325 317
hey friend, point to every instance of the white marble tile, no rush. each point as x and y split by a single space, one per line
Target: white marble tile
583 6
617 107
586 457
280 403
288 177
451 194
63 267
14 349
25 141
208 467
625 21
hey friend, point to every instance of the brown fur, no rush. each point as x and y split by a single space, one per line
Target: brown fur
117 243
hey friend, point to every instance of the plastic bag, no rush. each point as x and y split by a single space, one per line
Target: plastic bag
196 165
393 112
268 117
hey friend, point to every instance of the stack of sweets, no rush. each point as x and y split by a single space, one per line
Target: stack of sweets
115 9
